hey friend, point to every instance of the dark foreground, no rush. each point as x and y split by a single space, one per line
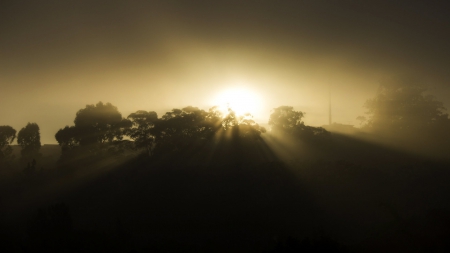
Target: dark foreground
232 197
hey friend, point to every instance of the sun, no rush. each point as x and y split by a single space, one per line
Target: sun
240 100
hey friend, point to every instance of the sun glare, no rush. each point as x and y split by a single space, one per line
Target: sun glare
240 100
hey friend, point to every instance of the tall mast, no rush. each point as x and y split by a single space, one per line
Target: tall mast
329 107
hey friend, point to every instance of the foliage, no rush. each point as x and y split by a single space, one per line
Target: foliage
180 128
284 120
29 139
249 128
7 136
309 132
99 123
230 120
143 129
404 108
67 138
243 125
361 120
96 127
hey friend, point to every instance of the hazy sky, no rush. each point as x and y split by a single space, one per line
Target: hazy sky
57 56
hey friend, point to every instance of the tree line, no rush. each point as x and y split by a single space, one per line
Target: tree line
101 128
398 110
28 138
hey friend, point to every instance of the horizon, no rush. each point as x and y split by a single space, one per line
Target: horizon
159 55
224 126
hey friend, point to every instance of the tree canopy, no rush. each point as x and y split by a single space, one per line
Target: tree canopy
99 123
29 139
94 125
179 128
404 108
143 129
285 120
67 138
7 136
243 126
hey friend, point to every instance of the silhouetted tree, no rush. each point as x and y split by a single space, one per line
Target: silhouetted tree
67 138
311 133
402 114
7 136
96 127
230 120
214 117
284 120
404 108
249 128
178 129
29 139
143 129
99 123
361 120
242 126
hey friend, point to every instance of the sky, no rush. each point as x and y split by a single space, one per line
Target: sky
58 56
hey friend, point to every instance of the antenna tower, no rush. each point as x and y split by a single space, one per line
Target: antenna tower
329 107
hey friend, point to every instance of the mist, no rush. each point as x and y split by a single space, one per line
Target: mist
63 55
224 126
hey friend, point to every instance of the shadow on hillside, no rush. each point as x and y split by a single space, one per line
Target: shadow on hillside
241 195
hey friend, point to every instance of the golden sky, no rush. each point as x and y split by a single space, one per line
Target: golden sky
58 56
